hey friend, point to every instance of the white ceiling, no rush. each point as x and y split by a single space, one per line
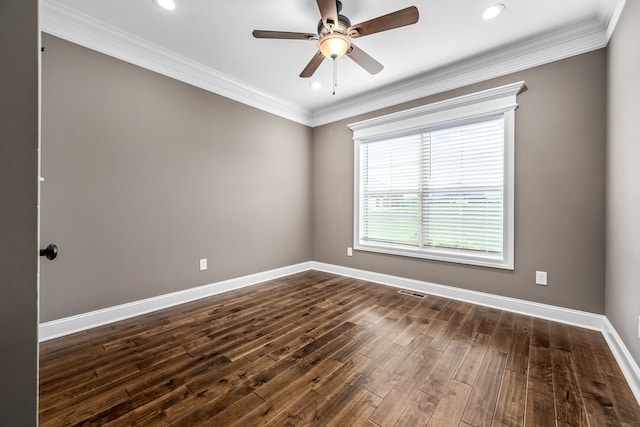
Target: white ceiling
208 43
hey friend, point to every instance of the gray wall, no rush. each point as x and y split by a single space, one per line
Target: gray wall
18 212
560 184
623 179
146 175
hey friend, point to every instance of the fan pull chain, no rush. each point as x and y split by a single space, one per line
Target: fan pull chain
335 75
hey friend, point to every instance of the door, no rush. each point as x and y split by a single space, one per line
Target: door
19 75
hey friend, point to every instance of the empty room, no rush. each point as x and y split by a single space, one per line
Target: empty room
329 213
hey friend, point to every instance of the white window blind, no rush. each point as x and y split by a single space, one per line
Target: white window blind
391 197
443 190
463 197
440 189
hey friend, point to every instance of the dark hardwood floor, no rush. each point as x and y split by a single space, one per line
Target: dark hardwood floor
320 349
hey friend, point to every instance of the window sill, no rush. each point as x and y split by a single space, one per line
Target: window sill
452 255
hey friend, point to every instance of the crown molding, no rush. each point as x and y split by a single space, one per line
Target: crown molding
611 15
67 23
528 54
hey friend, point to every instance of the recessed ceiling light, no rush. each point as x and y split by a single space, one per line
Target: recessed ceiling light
493 11
316 85
166 4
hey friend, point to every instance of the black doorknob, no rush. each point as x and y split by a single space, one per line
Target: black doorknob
51 251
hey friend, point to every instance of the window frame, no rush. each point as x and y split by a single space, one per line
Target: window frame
448 113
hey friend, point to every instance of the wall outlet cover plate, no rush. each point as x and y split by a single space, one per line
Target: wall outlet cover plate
541 278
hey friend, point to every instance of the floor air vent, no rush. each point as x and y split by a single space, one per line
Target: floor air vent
411 293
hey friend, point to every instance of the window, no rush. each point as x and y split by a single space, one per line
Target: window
437 181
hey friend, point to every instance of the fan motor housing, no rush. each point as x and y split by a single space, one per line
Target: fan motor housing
341 27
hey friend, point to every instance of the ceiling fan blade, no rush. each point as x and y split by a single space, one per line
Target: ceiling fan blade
328 11
313 65
390 21
261 34
364 60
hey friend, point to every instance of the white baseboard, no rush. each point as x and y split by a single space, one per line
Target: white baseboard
81 322
626 362
582 319
84 321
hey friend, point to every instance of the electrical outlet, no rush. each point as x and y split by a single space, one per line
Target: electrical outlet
349 251
541 278
203 264
638 326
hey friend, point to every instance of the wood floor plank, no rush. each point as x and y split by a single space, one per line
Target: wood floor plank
315 348
389 371
309 329
229 411
484 395
566 390
510 406
206 382
277 402
150 413
518 353
329 410
295 368
625 405
278 395
559 336
357 412
415 326
469 367
540 408
395 402
304 406
439 378
598 403
472 322
455 321
503 334
419 410
150 387
205 411
490 321
306 326
65 414
451 405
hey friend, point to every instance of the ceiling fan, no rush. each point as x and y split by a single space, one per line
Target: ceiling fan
335 33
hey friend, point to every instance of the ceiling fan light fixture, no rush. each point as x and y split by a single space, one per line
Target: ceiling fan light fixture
493 11
334 45
166 4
